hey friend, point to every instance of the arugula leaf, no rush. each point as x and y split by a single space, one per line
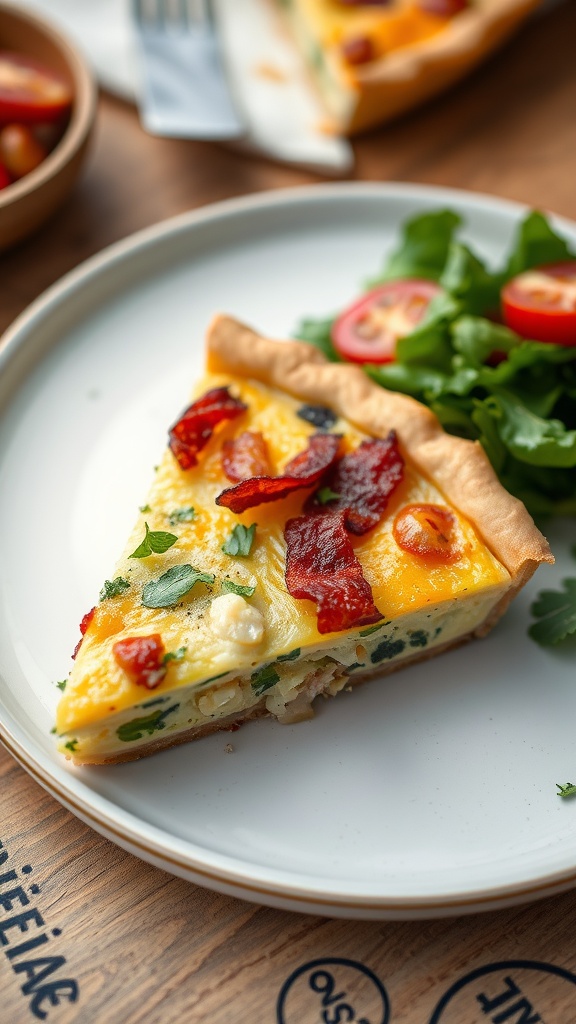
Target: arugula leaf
113 588
465 278
530 438
174 584
263 679
423 250
229 587
239 543
556 610
418 381
568 790
475 339
177 655
182 515
536 243
135 729
155 542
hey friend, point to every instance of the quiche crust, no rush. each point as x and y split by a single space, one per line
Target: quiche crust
364 95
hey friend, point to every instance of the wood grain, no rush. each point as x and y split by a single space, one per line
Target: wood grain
144 947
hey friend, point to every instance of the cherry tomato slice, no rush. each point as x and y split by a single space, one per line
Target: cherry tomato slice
540 304
29 91
367 331
20 151
428 531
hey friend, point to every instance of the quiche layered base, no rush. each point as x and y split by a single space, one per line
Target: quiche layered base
414 53
214 681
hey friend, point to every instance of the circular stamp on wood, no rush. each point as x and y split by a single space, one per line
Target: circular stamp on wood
510 992
333 991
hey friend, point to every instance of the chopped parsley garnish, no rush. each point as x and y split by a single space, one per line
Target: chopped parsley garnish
556 610
155 542
62 684
229 587
326 494
174 655
291 656
172 585
182 515
263 679
568 790
113 588
135 729
145 508
239 543
71 745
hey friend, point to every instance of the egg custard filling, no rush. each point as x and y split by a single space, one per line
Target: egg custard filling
291 544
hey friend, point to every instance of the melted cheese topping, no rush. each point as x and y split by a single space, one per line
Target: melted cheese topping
405 589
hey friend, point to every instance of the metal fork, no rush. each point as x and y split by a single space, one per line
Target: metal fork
185 90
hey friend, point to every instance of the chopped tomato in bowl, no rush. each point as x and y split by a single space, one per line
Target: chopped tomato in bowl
540 304
368 330
30 91
47 114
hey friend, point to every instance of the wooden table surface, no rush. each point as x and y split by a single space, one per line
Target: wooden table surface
135 944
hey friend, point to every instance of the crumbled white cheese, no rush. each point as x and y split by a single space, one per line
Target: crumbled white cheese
233 618
215 700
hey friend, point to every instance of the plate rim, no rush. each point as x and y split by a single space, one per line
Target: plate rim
76 795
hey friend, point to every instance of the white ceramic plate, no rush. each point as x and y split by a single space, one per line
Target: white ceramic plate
430 792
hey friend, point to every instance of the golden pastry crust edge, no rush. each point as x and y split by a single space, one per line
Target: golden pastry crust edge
458 467
406 77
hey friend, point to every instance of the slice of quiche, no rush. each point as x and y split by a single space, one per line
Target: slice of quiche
371 61
305 529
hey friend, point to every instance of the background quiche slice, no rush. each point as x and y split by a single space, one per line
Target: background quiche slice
373 61
304 530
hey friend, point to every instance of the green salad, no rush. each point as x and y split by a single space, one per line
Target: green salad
491 352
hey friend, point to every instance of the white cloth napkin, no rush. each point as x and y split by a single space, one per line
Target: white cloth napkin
282 113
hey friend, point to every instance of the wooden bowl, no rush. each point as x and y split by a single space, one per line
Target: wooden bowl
28 202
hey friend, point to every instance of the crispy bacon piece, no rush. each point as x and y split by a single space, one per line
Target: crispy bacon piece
141 657
194 428
363 479
245 456
86 620
307 469
321 566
